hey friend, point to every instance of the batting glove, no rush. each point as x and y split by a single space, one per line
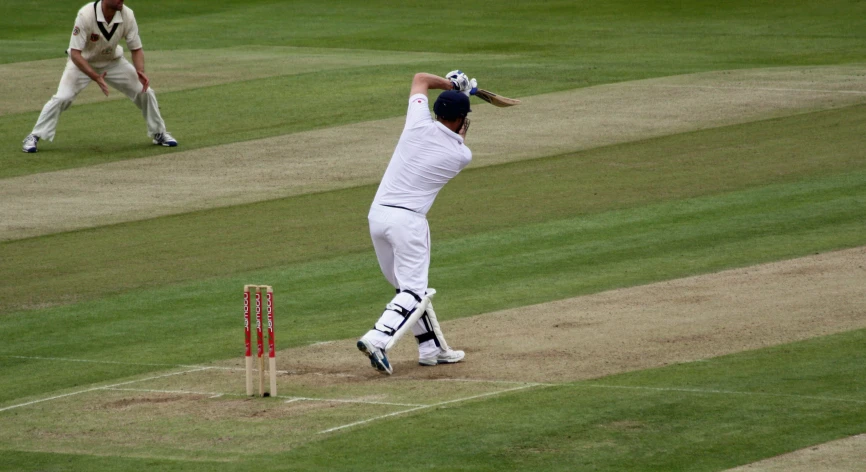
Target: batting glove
459 80
473 88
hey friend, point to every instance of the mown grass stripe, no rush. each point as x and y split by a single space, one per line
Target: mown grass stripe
78 266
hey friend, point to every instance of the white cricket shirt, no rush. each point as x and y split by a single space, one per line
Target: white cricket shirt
427 156
98 40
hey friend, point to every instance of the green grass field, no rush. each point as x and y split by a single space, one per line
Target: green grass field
87 313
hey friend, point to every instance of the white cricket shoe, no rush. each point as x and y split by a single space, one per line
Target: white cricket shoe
164 139
445 357
30 143
377 356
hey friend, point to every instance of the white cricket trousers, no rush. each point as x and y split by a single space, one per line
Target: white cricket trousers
121 75
401 239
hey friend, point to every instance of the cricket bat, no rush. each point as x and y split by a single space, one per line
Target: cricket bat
496 100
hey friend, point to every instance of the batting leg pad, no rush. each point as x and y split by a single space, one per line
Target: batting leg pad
396 313
428 343
423 330
437 330
409 321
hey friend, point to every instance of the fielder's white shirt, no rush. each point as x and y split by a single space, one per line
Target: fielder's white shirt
427 156
99 40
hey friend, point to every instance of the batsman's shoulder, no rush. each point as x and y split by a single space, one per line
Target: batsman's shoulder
416 98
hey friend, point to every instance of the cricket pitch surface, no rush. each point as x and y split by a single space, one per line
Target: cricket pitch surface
201 412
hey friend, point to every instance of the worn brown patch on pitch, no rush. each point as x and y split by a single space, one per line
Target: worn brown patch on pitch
636 328
357 154
127 403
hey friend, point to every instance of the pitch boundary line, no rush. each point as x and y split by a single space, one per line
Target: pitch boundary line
719 392
337 400
99 388
527 385
769 89
396 413
517 382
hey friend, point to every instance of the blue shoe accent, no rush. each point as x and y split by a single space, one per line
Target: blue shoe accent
164 139
29 144
377 357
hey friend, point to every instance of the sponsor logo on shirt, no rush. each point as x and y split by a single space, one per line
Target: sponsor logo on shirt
94 37
75 31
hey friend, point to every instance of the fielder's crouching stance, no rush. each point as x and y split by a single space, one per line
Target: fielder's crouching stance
428 155
95 55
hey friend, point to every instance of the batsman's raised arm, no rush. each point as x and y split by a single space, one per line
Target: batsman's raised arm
422 82
455 80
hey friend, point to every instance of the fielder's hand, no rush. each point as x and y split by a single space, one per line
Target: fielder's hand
145 82
100 81
462 83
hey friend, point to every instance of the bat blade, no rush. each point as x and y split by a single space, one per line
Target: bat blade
496 100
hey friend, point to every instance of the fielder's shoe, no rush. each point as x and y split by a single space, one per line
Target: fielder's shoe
378 359
445 357
164 139
30 143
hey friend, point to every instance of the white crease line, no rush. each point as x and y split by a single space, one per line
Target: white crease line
290 399
529 384
65 359
769 89
185 392
100 388
720 392
422 408
338 400
185 366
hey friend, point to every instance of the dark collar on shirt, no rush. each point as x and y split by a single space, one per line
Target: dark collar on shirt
106 33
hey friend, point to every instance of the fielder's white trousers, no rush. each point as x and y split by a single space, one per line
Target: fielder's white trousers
401 239
120 74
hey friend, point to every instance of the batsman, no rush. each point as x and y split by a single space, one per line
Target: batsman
428 155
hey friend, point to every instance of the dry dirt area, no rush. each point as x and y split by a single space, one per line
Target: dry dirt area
636 328
357 154
844 455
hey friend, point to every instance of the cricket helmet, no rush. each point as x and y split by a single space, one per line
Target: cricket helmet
451 105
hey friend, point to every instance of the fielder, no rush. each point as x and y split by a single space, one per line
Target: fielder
428 155
95 55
